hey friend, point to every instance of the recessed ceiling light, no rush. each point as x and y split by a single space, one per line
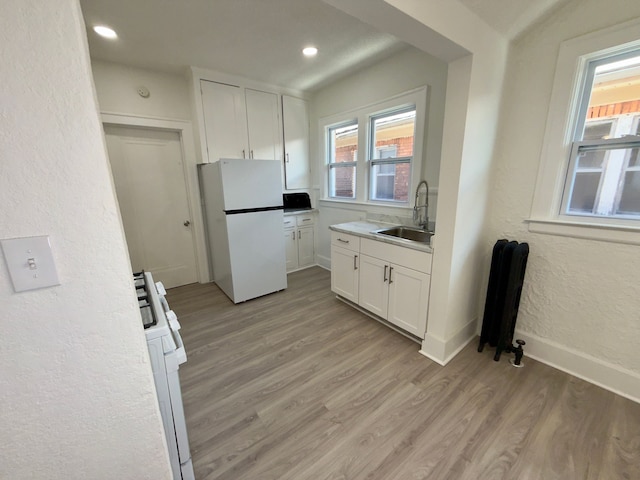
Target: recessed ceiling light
105 32
310 51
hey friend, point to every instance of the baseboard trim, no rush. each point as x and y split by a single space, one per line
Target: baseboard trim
593 370
302 268
324 262
443 351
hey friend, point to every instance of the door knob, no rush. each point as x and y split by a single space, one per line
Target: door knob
187 223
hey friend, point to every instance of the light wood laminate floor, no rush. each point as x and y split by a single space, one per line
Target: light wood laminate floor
297 385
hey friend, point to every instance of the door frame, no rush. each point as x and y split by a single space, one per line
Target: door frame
189 165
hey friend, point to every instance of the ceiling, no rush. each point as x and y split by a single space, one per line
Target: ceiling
262 39
512 17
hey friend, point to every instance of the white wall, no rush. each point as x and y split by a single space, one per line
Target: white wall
581 299
76 392
117 85
403 71
167 107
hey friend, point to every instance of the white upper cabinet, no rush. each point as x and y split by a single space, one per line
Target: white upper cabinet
263 125
225 121
240 122
296 143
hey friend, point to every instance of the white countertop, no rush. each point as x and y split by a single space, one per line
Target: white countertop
365 229
300 211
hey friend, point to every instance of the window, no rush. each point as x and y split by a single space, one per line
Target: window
343 155
391 143
369 152
588 183
602 178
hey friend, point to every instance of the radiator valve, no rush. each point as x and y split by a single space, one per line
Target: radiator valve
519 352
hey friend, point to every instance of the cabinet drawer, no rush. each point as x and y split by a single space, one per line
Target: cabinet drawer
405 257
289 221
304 220
345 240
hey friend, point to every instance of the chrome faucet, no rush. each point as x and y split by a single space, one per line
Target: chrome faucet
421 218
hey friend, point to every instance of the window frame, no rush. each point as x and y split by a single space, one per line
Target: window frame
608 145
373 162
415 98
561 126
333 164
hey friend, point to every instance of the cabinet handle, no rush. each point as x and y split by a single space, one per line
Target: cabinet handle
299 235
385 274
243 154
355 259
390 270
343 241
306 219
250 153
287 158
293 235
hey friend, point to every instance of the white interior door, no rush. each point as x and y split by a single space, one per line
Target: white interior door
147 166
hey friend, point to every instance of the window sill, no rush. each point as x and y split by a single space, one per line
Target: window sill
358 203
590 231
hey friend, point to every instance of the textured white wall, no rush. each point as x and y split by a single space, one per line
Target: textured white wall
76 392
397 74
117 85
579 294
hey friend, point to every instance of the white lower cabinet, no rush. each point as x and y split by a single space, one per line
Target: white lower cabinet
345 264
408 299
389 281
373 290
299 237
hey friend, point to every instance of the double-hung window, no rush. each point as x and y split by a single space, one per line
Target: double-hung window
374 153
343 159
588 182
603 178
391 154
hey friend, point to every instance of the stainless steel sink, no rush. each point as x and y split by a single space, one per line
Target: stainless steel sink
407 233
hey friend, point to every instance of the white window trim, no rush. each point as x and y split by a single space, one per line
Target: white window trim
417 97
372 160
329 164
561 124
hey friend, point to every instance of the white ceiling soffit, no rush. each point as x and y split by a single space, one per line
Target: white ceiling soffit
257 39
380 13
512 17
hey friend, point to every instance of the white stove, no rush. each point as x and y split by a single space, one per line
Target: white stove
167 353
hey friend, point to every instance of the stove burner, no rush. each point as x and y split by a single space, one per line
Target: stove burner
148 316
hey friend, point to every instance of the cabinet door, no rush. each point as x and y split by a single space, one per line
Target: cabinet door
305 247
296 143
224 120
408 299
344 273
374 289
263 125
291 249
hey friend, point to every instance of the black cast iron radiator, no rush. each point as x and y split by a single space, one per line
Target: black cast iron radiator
508 263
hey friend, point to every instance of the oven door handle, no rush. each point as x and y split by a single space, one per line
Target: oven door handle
181 352
174 325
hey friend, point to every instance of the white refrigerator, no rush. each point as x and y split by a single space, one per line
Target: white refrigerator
244 216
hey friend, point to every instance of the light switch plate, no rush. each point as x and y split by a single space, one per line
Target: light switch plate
30 262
